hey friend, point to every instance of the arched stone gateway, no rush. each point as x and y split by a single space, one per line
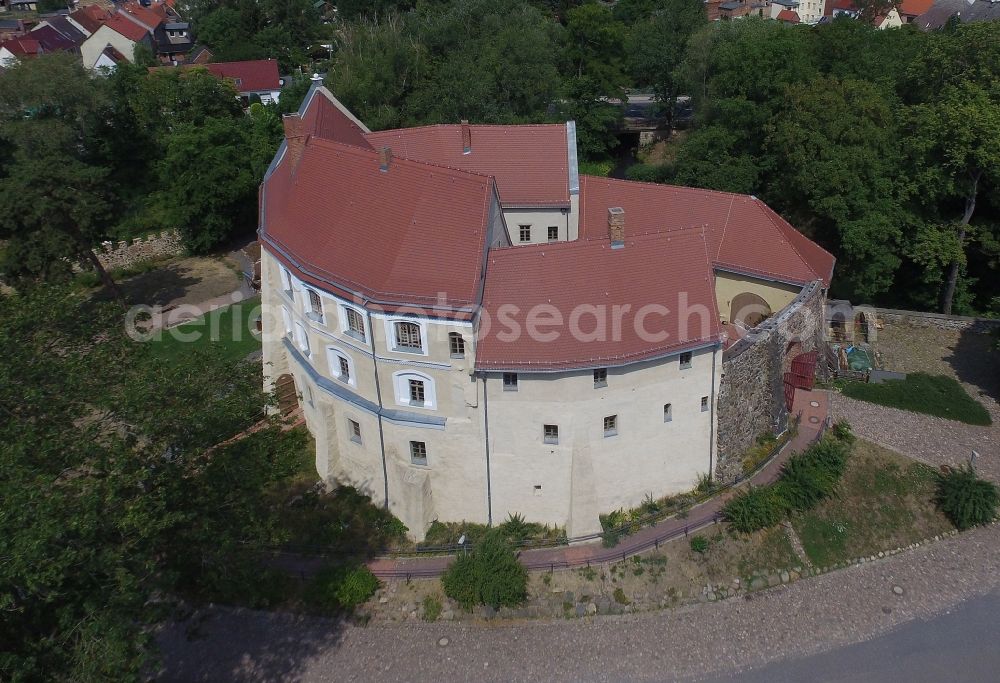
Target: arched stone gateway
749 309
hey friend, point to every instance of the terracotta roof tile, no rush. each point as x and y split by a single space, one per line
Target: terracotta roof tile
250 76
22 47
555 279
323 118
90 17
789 16
530 162
914 8
401 236
126 27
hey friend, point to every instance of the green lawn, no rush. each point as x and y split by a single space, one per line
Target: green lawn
922 393
230 329
884 501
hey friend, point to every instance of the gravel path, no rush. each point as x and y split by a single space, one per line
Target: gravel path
934 440
796 620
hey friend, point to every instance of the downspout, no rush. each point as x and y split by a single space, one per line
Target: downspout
711 428
489 488
378 394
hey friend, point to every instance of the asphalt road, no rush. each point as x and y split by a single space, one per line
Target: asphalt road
957 646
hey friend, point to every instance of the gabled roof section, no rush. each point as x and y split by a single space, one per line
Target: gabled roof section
743 234
90 17
530 162
22 47
412 235
256 75
655 276
126 27
325 117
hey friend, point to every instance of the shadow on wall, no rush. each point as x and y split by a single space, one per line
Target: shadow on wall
230 644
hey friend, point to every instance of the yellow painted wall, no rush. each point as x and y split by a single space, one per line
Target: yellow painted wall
729 285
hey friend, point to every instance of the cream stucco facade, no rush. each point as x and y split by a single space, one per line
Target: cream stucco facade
730 285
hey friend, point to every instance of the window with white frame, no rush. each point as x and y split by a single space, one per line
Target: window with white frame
301 338
407 336
354 430
704 403
553 233
524 233
510 381
354 323
610 425
456 345
418 452
315 306
668 412
685 360
287 318
286 281
414 389
341 366
550 434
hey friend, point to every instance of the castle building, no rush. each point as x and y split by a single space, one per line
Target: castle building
475 329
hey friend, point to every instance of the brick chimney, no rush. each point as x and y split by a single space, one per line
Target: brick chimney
466 137
295 140
384 159
616 226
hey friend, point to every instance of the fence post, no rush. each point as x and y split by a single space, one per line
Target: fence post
685 531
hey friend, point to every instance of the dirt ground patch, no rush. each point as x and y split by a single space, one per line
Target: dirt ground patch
189 280
663 151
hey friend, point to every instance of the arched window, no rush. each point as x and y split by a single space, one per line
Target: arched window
341 366
408 336
414 389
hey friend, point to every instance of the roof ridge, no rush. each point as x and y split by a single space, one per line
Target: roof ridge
428 126
671 186
409 160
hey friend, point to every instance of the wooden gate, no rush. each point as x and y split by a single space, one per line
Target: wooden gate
801 376
288 397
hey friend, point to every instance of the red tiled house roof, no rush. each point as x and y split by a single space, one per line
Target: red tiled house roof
529 162
23 47
256 75
329 120
90 17
914 8
397 237
788 15
650 270
127 28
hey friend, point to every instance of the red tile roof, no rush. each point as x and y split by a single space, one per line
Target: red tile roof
914 8
150 17
401 236
788 15
549 282
23 47
250 76
530 162
326 120
127 28
743 233
90 17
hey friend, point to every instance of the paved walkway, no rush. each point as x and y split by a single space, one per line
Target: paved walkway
796 620
811 422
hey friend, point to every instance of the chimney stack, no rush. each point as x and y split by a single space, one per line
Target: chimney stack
295 141
466 137
616 227
384 159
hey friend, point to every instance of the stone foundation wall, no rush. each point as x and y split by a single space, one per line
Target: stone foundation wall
128 253
939 320
751 393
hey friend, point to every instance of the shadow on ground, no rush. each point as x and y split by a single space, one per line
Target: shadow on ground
976 361
271 646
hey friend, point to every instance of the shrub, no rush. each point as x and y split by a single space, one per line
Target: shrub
432 608
699 544
756 508
620 598
341 588
842 432
490 575
966 499
598 168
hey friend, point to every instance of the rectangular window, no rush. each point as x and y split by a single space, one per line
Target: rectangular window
355 324
550 434
418 452
301 338
600 378
553 233
355 430
286 278
309 395
408 336
456 345
668 412
315 306
345 369
525 233
685 360
610 425
416 392
510 381
704 403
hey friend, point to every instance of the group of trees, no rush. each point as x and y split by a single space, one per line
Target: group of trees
87 158
884 146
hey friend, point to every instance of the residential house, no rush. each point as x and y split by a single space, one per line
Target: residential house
12 28
118 32
440 298
909 10
254 78
965 11
847 8
40 40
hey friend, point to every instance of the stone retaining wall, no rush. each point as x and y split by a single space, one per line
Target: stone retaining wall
751 393
939 320
128 253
